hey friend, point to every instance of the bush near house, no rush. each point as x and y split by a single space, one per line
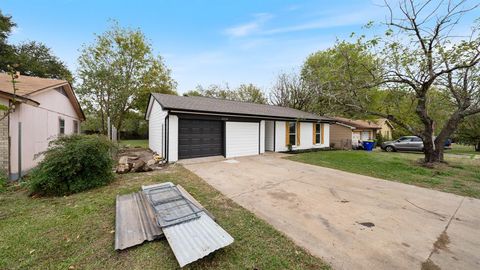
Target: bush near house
73 164
3 181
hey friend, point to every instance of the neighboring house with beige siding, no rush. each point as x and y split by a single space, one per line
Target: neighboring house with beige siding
347 133
44 109
386 128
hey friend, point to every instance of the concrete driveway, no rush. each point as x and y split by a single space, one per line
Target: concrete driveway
353 221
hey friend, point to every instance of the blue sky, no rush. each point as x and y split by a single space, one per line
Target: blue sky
202 42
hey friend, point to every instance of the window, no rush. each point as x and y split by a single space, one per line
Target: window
75 127
61 125
417 139
292 133
318 133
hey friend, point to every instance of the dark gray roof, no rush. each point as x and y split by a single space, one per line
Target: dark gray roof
214 105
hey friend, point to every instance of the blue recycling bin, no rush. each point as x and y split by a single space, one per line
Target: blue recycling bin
368 146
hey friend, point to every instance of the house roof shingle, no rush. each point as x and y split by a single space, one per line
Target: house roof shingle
214 105
360 124
28 85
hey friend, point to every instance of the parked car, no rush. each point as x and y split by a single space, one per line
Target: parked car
408 143
405 143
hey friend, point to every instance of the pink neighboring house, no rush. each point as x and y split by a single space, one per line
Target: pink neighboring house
44 109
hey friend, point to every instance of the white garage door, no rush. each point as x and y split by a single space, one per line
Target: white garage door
242 139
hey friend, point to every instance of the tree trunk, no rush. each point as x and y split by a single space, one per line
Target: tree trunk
477 147
432 155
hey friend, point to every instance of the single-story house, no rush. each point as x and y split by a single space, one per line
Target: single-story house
346 133
386 128
189 127
44 109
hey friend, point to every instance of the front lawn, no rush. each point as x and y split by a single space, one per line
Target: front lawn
461 149
460 176
76 232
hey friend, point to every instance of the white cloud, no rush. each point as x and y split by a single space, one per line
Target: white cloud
250 27
328 22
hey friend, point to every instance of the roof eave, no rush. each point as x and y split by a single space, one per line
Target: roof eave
246 115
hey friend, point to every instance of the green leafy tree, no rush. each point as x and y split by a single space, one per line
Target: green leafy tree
250 93
469 131
6 50
334 71
245 93
36 59
117 74
29 58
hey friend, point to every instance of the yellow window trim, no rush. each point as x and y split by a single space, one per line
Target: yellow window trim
298 133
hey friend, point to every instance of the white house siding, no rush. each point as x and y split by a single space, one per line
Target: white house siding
156 128
242 139
306 137
262 136
40 125
172 138
269 135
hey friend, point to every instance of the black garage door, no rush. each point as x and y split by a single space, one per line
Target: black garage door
199 138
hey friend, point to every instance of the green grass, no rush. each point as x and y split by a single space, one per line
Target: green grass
460 176
461 149
134 143
77 231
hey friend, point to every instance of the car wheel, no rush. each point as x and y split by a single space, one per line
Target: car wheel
389 149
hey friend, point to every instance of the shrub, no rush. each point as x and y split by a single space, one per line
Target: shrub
3 181
73 164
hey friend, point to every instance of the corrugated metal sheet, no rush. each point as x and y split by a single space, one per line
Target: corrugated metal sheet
195 238
171 206
134 221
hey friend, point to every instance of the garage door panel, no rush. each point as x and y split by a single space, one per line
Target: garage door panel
200 138
242 138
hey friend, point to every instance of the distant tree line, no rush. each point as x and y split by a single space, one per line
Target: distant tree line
30 58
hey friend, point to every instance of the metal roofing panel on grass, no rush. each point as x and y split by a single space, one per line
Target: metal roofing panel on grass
193 238
196 239
134 221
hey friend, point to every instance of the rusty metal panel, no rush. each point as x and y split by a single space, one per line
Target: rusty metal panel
134 221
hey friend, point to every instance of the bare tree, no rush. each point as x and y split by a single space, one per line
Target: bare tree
290 90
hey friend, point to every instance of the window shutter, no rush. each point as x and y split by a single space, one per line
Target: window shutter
314 125
286 133
298 133
323 132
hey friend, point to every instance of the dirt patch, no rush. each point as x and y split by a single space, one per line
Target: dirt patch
142 154
442 241
367 224
283 195
430 265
